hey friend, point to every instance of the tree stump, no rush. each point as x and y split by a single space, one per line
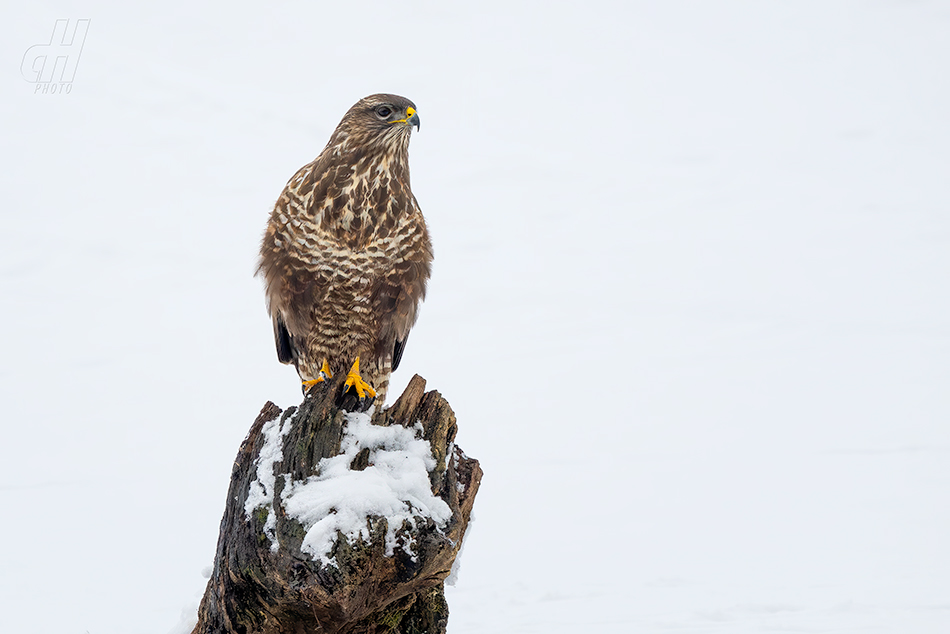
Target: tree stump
340 523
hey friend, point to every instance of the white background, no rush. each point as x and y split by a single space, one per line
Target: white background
690 300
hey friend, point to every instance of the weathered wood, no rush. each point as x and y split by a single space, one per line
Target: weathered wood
255 589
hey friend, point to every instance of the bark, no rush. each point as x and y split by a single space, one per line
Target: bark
257 590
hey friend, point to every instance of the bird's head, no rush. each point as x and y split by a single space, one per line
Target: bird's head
381 121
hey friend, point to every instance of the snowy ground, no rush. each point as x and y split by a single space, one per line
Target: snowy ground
690 300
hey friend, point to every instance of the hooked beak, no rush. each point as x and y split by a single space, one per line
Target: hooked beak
412 118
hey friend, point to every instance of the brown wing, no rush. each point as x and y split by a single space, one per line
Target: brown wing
285 347
397 351
395 300
290 290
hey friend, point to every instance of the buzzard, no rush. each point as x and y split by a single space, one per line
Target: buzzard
346 255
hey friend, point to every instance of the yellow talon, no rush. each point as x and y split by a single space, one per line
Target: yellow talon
354 380
321 377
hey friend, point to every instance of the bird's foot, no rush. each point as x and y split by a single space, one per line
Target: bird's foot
322 376
355 381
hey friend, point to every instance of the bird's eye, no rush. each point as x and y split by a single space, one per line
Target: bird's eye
383 111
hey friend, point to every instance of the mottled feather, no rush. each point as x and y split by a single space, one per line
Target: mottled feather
346 255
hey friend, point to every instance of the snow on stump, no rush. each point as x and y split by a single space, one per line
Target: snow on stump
339 522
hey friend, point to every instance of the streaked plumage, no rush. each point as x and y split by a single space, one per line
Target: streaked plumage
346 254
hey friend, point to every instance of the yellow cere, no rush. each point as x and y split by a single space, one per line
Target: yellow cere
409 112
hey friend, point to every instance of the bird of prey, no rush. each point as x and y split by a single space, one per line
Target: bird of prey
346 255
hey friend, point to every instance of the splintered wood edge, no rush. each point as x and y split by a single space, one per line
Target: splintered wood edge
407 404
